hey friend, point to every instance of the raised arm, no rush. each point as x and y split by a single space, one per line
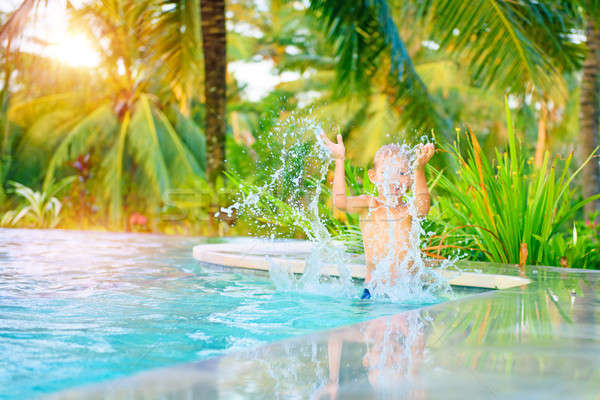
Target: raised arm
422 198
355 204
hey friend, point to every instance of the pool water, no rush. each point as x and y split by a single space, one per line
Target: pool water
82 307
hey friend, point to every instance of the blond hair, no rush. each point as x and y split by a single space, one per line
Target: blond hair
387 150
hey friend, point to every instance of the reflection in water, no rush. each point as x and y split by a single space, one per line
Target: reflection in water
380 358
509 343
393 355
537 341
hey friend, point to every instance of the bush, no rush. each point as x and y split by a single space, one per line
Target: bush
41 210
509 210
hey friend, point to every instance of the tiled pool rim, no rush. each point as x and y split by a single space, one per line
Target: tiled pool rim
539 340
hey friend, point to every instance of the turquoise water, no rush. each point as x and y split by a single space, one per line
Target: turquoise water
81 307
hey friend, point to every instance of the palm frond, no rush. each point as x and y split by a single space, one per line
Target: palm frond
181 161
176 43
144 144
365 37
112 167
15 25
193 137
26 112
80 139
508 44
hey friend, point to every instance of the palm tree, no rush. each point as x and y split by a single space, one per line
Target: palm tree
504 44
590 103
5 134
510 46
10 29
439 88
130 130
215 69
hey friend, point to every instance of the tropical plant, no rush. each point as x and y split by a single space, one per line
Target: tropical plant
511 211
130 132
144 144
581 249
523 43
366 105
42 209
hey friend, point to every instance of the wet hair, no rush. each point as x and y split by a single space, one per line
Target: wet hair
387 150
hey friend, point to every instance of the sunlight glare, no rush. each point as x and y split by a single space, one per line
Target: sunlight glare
75 50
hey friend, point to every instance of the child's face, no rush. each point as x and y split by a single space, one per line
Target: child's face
391 174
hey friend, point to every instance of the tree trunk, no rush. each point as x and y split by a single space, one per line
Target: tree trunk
215 67
589 104
5 151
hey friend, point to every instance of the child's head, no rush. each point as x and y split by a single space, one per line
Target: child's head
391 170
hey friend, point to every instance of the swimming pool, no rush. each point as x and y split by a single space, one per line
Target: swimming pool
83 307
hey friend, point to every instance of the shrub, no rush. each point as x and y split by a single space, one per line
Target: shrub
509 210
42 209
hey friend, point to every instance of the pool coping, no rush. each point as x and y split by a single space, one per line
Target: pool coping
240 255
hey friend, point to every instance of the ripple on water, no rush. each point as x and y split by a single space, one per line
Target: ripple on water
81 307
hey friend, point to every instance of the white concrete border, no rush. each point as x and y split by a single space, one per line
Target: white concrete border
253 255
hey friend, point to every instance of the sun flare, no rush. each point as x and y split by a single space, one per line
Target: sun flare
75 50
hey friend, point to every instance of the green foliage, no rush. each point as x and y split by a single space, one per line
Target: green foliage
363 36
581 249
144 145
41 209
240 159
506 43
507 202
363 69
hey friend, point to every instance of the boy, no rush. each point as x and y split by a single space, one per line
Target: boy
385 220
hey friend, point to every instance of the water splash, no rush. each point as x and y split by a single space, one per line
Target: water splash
292 195
400 271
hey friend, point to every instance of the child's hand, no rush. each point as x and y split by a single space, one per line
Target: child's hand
338 151
424 154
